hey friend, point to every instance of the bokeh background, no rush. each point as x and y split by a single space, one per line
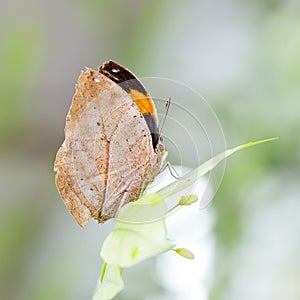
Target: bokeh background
243 57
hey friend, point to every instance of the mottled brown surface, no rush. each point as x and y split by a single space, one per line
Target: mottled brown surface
107 158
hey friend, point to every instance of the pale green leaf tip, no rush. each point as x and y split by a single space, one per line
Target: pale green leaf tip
184 253
188 200
250 144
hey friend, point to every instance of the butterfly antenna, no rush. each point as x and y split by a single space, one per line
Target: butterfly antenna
164 117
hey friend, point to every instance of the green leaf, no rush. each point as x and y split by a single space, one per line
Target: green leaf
140 230
156 206
190 178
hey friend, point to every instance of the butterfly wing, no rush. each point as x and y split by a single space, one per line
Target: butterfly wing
107 157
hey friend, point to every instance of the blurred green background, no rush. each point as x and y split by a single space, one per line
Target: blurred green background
244 57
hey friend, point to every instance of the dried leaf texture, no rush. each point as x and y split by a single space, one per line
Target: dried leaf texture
107 157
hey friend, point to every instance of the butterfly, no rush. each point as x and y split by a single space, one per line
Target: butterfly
112 148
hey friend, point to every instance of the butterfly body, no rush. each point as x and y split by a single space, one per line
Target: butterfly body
110 153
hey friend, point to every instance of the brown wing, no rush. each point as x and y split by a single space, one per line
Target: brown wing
107 157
